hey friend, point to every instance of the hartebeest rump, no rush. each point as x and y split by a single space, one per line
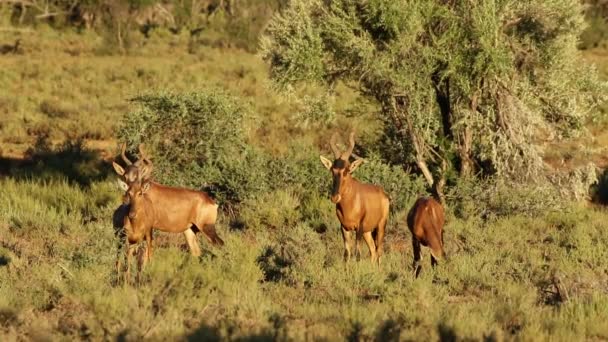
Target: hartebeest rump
425 221
361 208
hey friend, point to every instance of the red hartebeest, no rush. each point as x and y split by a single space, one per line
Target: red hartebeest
135 171
425 221
361 208
148 205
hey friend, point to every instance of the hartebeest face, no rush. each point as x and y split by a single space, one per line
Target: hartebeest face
341 169
135 197
139 170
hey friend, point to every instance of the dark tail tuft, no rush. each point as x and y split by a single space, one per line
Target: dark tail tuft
211 234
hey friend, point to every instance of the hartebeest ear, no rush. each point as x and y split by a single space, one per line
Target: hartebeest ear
118 169
328 163
354 165
122 185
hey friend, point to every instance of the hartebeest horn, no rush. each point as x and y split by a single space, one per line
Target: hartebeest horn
123 155
146 169
349 151
334 147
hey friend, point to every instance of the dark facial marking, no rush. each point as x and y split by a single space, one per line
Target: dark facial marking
339 164
336 185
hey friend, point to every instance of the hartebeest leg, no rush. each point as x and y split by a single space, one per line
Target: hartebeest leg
149 246
347 236
371 245
359 234
192 242
417 256
380 239
130 250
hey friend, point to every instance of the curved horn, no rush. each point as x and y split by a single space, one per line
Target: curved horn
123 155
146 168
351 147
142 153
334 147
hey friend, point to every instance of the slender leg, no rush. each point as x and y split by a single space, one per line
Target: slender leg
141 262
150 245
192 243
371 245
380 239
347 237
119 258
357 242
130 250
417 256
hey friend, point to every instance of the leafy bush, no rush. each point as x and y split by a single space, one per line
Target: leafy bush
196 139
492 198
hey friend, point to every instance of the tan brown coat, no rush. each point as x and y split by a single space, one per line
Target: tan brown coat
362 209
425 221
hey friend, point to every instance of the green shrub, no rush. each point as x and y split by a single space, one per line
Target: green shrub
493 198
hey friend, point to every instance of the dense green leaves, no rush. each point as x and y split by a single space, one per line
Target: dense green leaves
479 82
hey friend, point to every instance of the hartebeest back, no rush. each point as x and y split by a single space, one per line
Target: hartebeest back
361 208
425 221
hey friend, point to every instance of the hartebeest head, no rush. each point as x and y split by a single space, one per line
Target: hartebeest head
135 194
341 169
135 171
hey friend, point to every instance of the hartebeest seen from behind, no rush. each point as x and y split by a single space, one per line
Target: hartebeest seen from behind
425 221
361 208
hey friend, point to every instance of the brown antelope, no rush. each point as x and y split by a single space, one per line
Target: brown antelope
361 208
135 171
425 221
150 205
137 226
172 210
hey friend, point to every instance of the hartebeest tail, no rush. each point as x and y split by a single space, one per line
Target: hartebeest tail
425 221
362 209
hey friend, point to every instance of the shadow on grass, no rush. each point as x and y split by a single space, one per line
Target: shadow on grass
276 332
71 161
599 191
4 260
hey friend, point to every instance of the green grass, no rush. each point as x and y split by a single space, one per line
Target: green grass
541 278
278 277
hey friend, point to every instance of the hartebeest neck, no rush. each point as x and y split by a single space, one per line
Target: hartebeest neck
348 189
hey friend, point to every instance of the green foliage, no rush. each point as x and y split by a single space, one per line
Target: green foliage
476 80
402 188
493 198
197 139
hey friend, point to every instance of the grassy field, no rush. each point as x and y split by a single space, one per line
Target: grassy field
518 277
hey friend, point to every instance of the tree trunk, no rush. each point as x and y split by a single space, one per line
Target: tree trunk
442 95
399 108
465 143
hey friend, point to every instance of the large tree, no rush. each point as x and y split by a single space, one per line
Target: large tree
478 83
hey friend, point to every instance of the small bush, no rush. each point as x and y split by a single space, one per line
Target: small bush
493 198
